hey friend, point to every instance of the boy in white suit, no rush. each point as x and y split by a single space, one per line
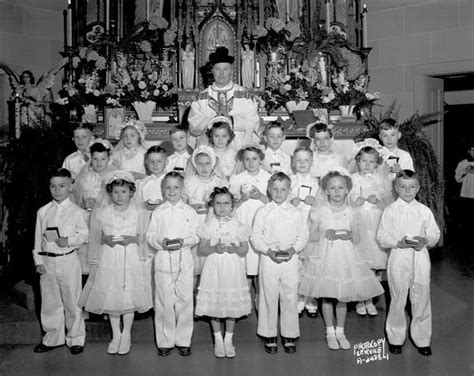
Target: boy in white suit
408 228
172 232
60 230
280 231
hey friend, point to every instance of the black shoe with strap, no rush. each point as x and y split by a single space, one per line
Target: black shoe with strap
288 345
395 349
164 351
271 346
426 351
183 350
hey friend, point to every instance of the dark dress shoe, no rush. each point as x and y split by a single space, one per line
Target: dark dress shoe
288 345
43 348
75 350
184 351
426 351
395 349
271 346
164 351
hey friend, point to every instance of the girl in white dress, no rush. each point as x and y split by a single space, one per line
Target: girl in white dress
129 153
336 272
220 136
324 158
198 189
249 189
223 291
371 192
88 185
117 251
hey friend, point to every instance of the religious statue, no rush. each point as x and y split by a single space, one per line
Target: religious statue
224 98
248 70
322 69
187 67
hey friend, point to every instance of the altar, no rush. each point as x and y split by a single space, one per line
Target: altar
150 59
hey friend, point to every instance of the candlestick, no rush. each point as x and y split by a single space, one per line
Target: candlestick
147 10
328 15
107 16
65 28
364 26
17 116
287 10
69 24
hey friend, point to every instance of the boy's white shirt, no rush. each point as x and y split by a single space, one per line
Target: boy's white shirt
177 160
173 222
278 156
74 162
70 221
405 161
283 223
149 188
402 218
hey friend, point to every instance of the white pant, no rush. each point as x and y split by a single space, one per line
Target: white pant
399 277
60 292
173 299
278 283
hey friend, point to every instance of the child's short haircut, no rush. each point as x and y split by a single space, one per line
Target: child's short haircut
98 147
87 126
369 150
302 148
155 149
387 124
220 125
274 124
61 173
220 191
173 175
177 129
279 176
120 183
334 174
318 128
255 149
407 174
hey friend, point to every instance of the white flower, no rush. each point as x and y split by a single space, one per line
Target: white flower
142 85
62 101
96 92
287 87
156 92
287 78
164 87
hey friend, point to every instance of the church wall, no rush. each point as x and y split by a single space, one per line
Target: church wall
407 33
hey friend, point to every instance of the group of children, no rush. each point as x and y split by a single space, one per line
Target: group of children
149 229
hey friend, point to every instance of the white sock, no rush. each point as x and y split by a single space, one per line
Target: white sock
339 330
330 330
228 337
218 337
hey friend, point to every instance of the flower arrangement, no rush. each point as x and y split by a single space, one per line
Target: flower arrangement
88 66
351 92
276 35
303 83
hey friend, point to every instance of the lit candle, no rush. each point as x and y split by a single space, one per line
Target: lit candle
65 28
287 10
69 23
328 15
364 26
107 16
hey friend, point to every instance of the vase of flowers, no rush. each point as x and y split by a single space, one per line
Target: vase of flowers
89 68
144 110
300 89
351 95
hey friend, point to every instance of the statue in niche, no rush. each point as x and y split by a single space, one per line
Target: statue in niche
248 70
187 67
